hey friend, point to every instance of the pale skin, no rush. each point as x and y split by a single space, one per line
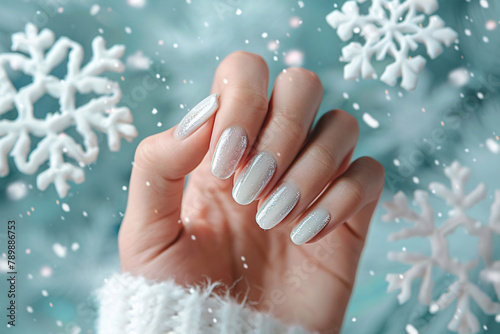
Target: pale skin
199 233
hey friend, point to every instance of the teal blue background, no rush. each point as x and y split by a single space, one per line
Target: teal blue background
188 70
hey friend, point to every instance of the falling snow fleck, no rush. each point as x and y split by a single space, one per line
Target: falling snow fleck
46 271
95 9
65 207
17 190
372 122
59 250
493 145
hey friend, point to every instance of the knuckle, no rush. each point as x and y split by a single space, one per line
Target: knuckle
354 189
249 97
289 123
324 156
145 154
375 168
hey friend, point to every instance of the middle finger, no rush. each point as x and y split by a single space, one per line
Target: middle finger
296 98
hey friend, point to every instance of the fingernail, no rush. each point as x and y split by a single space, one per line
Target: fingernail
310 226
229 150
197 116
256 175
278 205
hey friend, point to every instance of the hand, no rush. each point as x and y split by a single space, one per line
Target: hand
202 232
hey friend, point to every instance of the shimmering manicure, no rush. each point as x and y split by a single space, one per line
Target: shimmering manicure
310 226
197 116
278 205
229 150
254 178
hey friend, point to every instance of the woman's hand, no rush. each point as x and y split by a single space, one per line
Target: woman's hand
202 232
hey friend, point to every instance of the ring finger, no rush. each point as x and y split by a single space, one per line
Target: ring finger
326 155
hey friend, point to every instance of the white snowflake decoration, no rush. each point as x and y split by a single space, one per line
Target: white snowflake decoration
462 290
393 27
99 113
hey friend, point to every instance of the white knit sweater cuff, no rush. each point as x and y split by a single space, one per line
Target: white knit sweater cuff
134 305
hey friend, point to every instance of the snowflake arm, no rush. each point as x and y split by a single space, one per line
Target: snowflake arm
398 208
100 113
462 290
421 267
394 28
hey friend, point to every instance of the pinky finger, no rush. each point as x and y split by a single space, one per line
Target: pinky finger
360 185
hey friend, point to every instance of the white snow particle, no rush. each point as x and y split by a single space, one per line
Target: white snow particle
136 3
294 58
410 329
29 309
45 293
95 9
17 191
492 145
459 77
372 122
385 33
59 250
46 271
65 207
75 246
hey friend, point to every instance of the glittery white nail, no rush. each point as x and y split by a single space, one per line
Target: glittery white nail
310 226
278 205
197 116
254 178
229 150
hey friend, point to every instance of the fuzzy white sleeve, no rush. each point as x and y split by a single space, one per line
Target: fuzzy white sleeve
134 305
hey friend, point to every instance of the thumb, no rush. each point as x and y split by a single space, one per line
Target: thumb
161 163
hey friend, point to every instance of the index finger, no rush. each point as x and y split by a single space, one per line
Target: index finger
241 80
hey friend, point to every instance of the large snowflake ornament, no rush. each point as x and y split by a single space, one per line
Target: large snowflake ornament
391 27
462 290
100 113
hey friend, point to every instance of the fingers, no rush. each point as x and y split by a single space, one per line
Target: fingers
296 97
155 192
162 161
360 185
242 80
319 162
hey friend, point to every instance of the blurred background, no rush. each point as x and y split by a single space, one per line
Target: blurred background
67 247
